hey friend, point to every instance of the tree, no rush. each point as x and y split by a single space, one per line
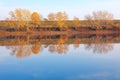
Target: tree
65 18
100 19
21 17
35 19
51 20
61 17
9 23
89 21
76 22
51 17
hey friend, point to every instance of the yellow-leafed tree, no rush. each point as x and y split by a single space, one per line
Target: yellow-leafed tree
35 19
21 17
61 18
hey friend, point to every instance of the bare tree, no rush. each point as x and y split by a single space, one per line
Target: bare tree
76 22
100 19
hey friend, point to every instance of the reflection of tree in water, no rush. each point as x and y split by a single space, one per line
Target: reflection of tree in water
76 43
61 47
20 51
25 50
36 47
99 48
52 48
25 47
99 44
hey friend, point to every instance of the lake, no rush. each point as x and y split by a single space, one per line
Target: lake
60 57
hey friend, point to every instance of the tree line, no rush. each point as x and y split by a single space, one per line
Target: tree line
22 19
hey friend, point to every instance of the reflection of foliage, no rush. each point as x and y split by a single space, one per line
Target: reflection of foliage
24 46
36 47
24 49
99 44
99 48
52 48
60 47
63 48
76 43
20 51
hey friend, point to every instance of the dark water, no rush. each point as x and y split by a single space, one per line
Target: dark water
92 57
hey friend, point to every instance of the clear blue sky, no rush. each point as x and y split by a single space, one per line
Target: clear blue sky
77 8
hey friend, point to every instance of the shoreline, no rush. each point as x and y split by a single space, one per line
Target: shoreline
97 32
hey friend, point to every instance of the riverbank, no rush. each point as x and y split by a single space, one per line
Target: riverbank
98 32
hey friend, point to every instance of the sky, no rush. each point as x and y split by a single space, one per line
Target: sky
78 8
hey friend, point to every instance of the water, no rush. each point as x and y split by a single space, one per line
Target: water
81 58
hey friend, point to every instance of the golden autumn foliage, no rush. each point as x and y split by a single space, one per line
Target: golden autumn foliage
21 17
61 17
22 20
35 18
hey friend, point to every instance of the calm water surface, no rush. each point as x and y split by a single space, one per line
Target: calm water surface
60 62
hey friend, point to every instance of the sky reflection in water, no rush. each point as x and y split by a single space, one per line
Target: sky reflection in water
75 64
